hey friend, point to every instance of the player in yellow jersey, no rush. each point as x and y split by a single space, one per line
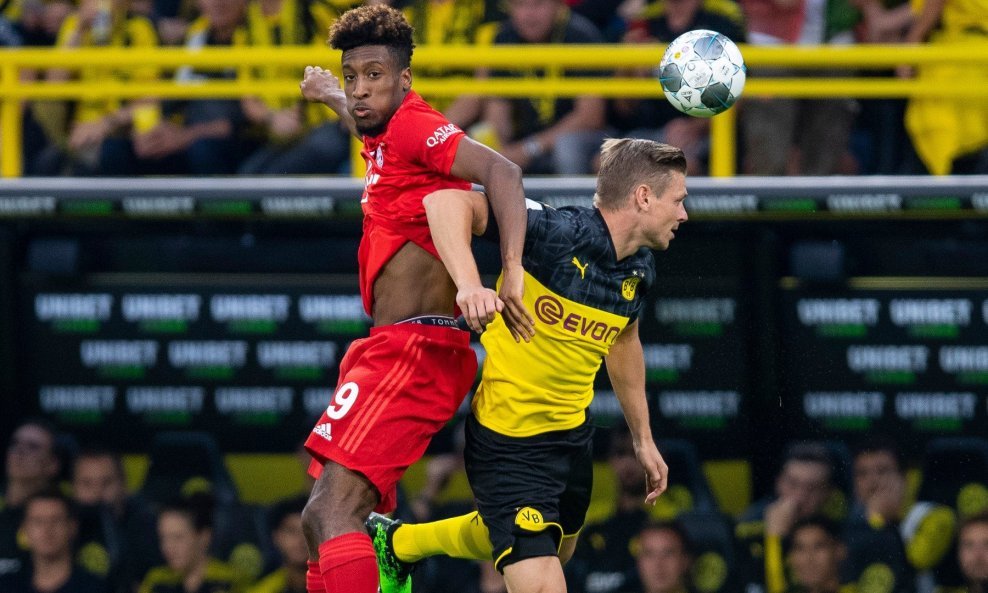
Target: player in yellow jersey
528 440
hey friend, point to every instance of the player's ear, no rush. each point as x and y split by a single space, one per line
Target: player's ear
641 196
405 78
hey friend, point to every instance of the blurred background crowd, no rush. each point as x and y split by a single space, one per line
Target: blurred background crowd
265 135
835 519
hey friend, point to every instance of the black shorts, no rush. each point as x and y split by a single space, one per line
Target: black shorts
530 491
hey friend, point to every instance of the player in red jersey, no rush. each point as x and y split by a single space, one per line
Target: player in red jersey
401 384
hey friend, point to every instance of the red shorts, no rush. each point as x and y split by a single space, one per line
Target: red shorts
397 388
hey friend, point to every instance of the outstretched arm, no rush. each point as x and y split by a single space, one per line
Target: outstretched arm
322 86
502 181
454 215
626 369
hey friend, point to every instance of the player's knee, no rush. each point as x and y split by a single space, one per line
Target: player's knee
542 574
311 527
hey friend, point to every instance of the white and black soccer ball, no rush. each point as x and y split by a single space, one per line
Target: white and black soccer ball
702 73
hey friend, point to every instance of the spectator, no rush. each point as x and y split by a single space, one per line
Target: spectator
607 15
458 23
879 139
802 489
185 530
172 18
815 553
546 135
35 23
38 21
198 137
884 523
33 466
818 129
9 37
298 138
602 562
50 527
663 559
656 119
286 530
97 23
972 553
114 526
950 135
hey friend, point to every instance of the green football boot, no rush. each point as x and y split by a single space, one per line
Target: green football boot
396 575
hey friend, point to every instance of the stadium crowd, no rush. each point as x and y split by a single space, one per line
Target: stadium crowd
836 521
265 135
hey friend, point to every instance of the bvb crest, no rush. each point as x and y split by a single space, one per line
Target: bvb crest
628 287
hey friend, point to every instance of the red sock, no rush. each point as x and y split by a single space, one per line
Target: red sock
313 579
348 564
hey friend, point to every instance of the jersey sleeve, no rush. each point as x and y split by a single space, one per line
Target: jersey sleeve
427 139
550 237
535 225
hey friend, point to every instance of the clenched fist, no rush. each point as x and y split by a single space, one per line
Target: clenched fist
322 86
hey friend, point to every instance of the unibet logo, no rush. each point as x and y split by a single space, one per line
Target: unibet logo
844 404
54 307
887 358
930 311
864 202
77 398
551 312
240 307
959 406
725 204
628 287
143 307
814 312
312 308
530 520
141 400
957 359
695 310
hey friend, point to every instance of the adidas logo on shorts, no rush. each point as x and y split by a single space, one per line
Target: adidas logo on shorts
324 430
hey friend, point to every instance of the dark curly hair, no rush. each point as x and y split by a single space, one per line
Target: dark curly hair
374 25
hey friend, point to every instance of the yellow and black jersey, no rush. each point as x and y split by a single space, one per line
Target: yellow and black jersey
128 31
219 578
582 298
276 582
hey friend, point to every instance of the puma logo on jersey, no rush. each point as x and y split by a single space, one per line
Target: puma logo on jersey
582 268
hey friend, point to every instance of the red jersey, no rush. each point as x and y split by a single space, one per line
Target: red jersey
409 160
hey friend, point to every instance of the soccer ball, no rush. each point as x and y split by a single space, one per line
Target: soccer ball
702 73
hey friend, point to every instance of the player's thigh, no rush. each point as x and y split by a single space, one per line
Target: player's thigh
543 574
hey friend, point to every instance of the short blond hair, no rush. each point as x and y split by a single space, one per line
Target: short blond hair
626 163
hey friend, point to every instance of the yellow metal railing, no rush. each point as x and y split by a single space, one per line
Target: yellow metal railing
554 59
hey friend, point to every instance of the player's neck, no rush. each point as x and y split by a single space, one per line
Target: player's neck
621 225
